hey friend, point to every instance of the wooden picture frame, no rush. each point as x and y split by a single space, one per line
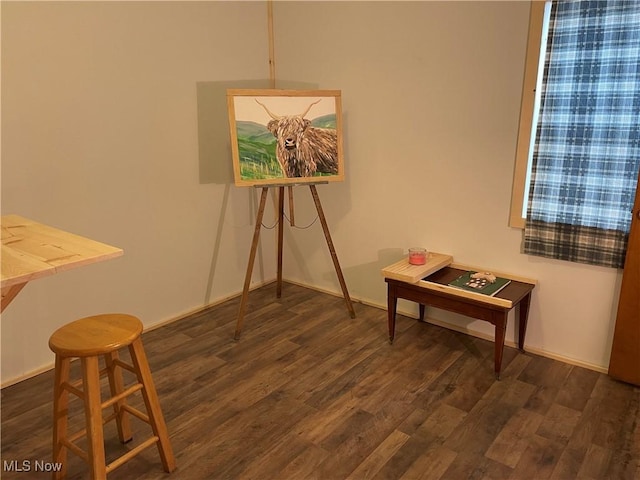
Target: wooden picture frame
281 137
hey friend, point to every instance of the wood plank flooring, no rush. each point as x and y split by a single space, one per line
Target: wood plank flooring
309 393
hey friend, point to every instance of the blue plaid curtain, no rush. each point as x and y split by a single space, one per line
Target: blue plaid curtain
587 151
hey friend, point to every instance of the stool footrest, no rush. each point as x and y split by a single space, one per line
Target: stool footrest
118 461
76 449
124 365
77 435
120 396
132 453
137 413
71 388
81 433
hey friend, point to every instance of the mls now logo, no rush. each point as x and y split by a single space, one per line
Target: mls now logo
28 466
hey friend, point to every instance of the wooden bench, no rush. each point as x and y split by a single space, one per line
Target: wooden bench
428 285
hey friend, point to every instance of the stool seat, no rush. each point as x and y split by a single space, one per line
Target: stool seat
89 339
96 335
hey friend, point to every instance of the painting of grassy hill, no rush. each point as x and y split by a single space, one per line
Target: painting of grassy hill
257 152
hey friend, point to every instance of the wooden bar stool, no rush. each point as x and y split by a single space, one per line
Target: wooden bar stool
88 339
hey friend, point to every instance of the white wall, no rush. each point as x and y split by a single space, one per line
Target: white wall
100 137
431 96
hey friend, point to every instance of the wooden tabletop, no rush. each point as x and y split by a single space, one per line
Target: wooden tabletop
439 271
405 272
31 250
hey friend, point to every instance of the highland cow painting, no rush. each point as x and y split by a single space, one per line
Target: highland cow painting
285 136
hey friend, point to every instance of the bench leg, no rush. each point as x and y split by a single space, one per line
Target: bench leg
392 301
499 344
421 317
523 316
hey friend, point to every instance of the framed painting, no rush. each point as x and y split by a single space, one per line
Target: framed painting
285 136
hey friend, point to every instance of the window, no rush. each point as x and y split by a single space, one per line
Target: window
536 46
579 141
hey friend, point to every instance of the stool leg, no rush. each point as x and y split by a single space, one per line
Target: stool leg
154 411
93 415
116 384
60 413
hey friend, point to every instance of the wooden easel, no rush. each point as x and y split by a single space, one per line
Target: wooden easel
263 202
254 247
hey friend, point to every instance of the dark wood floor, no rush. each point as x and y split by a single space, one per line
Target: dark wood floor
308 392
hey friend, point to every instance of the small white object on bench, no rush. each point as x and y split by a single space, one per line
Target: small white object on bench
488 276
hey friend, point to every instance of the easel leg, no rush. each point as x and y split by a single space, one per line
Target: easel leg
280 236
252 257
332 250
292 221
